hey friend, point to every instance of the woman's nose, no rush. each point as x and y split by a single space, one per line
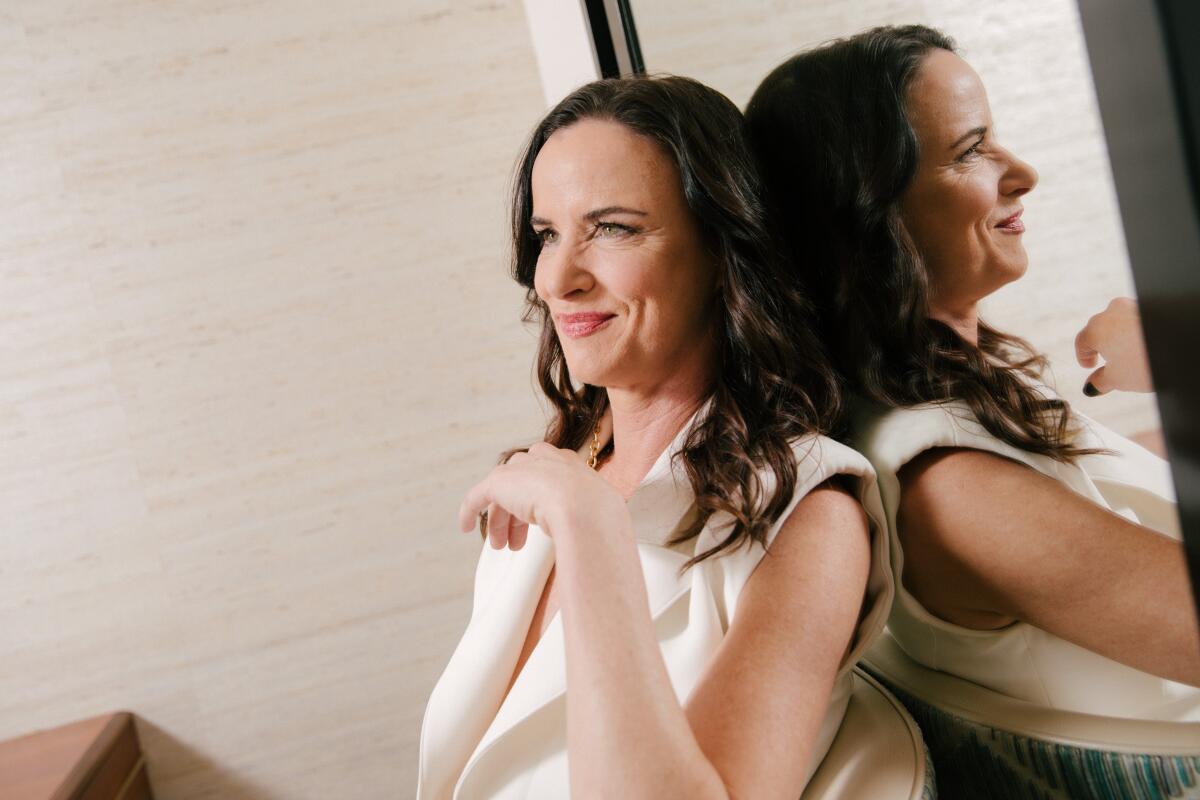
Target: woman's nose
561 271
1020 177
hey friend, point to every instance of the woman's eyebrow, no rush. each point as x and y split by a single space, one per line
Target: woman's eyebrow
596 214
609 210
971 134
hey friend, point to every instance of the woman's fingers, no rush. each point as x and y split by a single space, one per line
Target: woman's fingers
495 526
477 500
518 533
508 524
1086 351
1097 383
515 493
1114 336
506 495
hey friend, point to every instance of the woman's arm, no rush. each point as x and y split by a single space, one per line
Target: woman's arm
752 719
759 707
988 540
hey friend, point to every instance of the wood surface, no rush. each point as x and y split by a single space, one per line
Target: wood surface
92 759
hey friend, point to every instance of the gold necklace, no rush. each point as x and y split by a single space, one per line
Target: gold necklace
594 456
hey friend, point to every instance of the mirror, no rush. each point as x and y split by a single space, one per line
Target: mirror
1033 61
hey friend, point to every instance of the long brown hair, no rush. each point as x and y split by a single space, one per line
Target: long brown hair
836 147
773 383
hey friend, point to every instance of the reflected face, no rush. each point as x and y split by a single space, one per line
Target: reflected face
963 206
622 269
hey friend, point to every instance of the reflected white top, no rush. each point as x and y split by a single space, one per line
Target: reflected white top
474 746
1020 660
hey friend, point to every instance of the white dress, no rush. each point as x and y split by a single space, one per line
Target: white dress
1021 660
474 746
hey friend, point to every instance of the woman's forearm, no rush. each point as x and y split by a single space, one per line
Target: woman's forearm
627 734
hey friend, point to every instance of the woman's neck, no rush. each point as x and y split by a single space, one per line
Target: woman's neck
642 427
964 321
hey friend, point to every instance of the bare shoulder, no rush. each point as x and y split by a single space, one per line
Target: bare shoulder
980 531
940 465
829 516
822 548
956 494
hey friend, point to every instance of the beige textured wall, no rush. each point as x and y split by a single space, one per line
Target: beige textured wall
256 338
1031 57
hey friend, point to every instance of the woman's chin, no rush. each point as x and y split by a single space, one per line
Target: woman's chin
589 373
1011 270
1017 269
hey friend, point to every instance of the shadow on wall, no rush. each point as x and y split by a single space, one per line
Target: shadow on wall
179 771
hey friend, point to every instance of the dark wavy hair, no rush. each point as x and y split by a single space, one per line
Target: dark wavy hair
834 141
773 383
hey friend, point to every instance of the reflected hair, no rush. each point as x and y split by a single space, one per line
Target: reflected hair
772 384
832 134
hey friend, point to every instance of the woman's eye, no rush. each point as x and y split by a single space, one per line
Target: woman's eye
545 236
612 229
971 151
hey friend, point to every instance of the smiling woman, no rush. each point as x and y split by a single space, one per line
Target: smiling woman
633 276
962 207
626 621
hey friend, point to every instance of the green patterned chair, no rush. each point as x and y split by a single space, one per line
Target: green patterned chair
878 753
989 746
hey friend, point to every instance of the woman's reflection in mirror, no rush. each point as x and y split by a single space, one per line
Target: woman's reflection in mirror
1039 552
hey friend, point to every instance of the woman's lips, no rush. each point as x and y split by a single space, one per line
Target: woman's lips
1013 224
585 324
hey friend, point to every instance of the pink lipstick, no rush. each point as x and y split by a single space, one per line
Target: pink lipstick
582 324
1013 224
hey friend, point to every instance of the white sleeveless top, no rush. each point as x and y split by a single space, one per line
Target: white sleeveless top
474 745
1020 660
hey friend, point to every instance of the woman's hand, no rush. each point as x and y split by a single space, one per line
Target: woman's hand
546 486
1115 334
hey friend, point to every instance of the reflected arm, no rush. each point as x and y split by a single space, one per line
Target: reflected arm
988 541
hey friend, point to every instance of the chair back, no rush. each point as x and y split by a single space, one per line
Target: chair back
878 752
987 745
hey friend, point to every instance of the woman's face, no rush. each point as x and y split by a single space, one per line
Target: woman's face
623 269
963 206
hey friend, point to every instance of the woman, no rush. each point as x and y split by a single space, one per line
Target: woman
1039 552
625 564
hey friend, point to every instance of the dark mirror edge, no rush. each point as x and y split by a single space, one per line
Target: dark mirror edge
1145 59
